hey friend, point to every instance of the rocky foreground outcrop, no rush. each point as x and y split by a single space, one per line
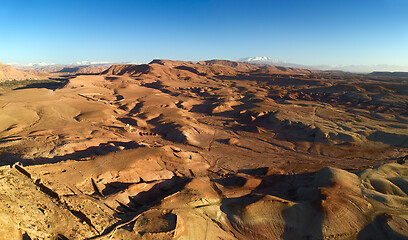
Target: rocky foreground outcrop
168 193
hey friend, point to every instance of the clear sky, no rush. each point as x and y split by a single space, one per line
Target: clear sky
300 31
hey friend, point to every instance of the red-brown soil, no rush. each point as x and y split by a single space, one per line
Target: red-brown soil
208 150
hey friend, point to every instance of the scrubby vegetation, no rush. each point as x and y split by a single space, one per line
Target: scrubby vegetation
43 83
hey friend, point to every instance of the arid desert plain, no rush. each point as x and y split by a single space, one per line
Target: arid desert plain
202 150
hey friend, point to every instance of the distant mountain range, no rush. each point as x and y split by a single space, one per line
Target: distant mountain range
345 68
390 74
45 64
268 60
53 67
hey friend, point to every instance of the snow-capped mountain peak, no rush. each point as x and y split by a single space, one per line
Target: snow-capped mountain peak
39 64
260 60
268 60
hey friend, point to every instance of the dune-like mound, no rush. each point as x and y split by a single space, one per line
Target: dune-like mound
8 73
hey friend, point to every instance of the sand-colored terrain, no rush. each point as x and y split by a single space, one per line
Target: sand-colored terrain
62 69
208 150
9 73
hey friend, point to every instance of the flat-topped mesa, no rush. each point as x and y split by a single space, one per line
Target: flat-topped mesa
127 69
272 69
205 64
228 63
170 63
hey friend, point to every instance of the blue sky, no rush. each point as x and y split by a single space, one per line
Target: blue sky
300 31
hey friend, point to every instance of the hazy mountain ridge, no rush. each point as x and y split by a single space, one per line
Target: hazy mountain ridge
390 74
346 68
83 67
271 61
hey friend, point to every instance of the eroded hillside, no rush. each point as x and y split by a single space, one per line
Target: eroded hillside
208 150
8 73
